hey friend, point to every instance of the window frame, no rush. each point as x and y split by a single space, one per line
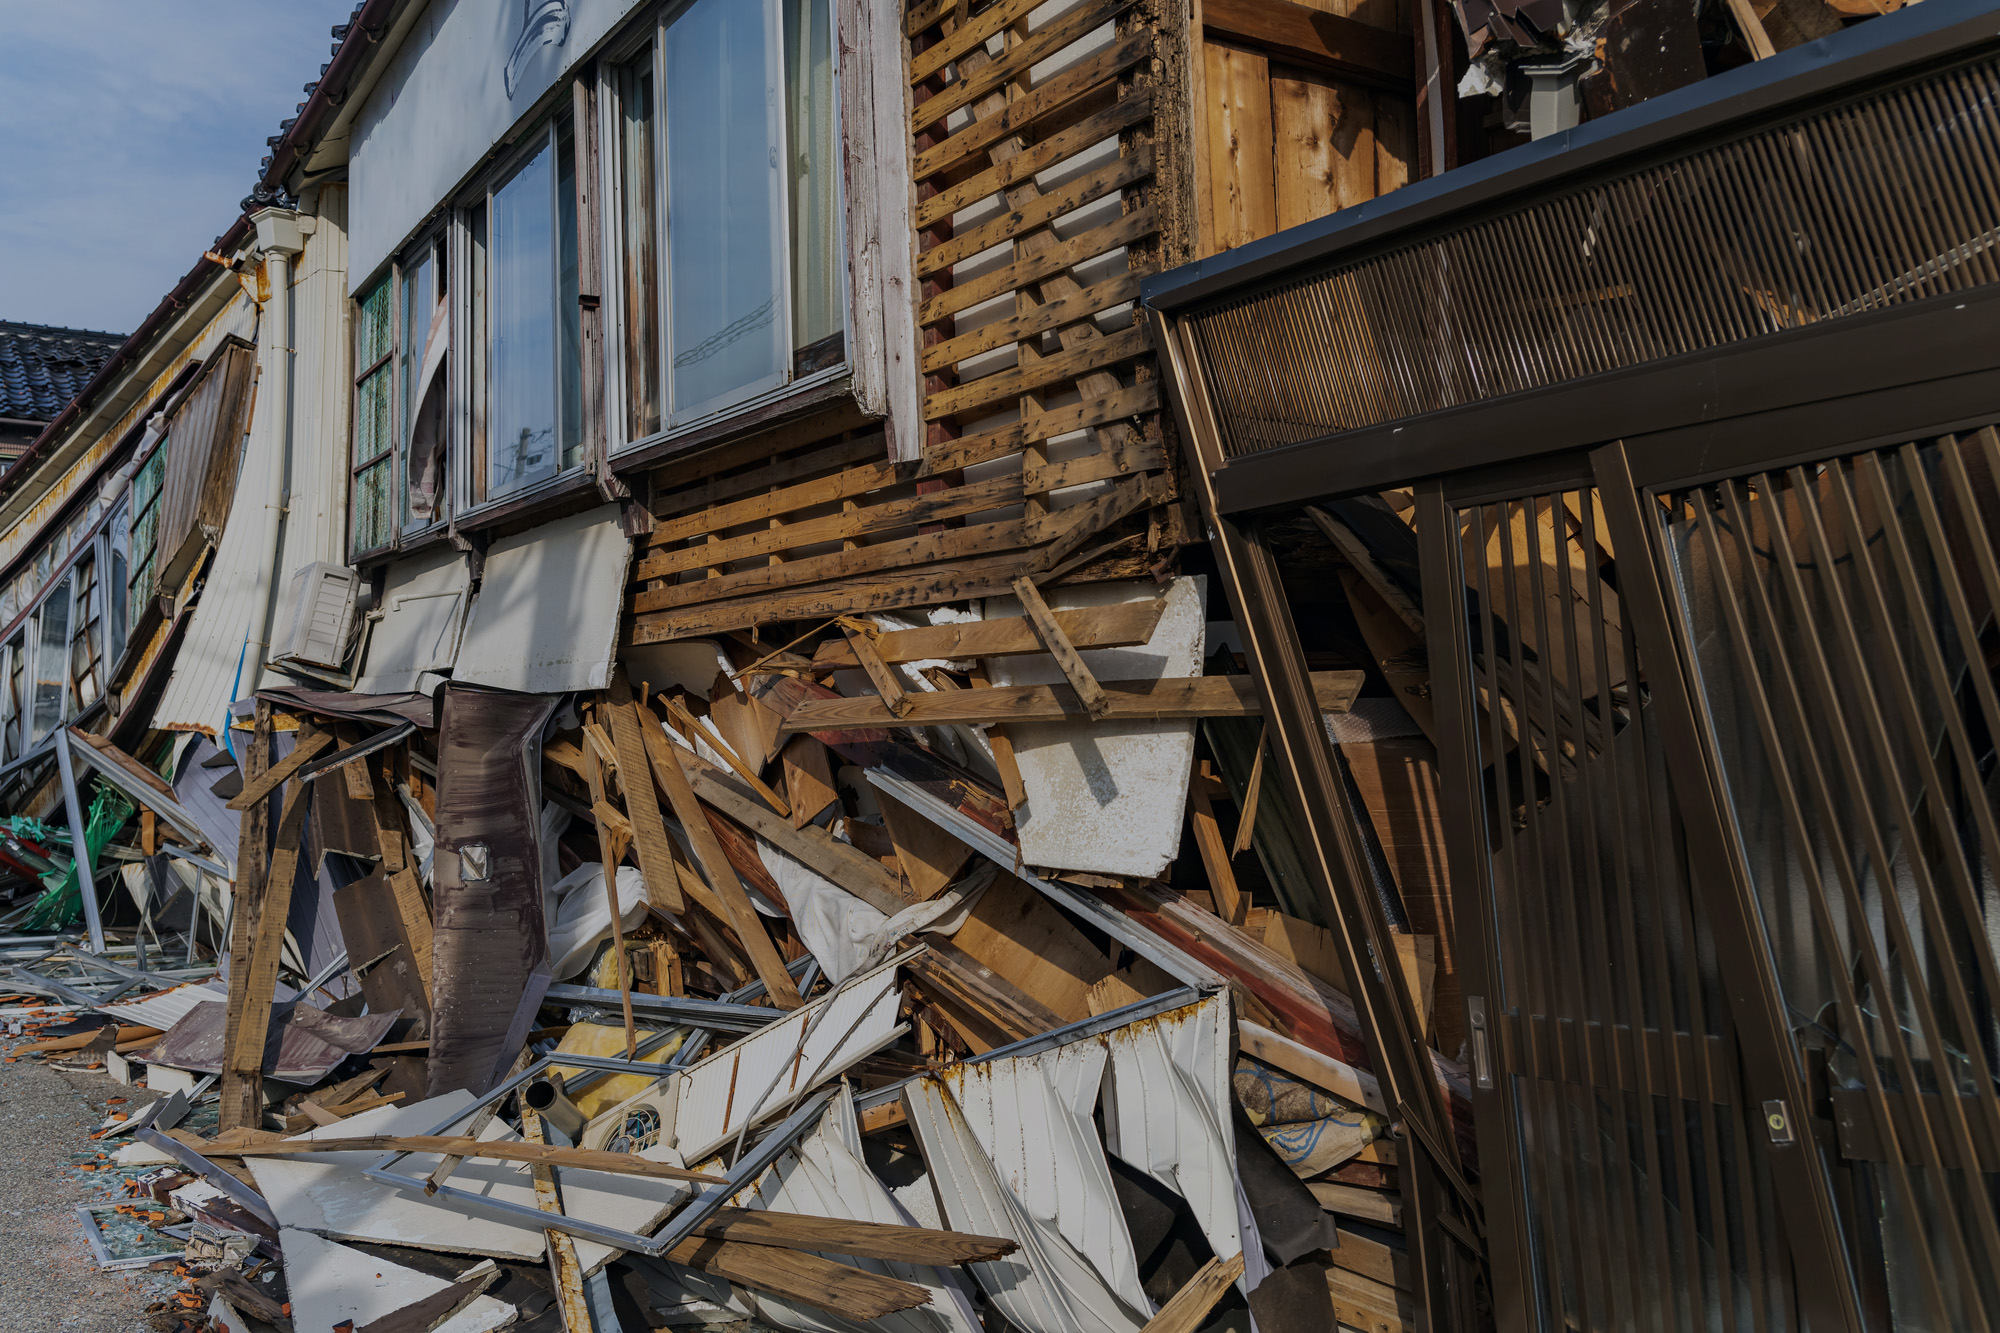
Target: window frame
390 281
471 297
701 418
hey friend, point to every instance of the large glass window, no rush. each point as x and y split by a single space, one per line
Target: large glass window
52 661
145 528
373 381
528 375
12 705
86 647
728 169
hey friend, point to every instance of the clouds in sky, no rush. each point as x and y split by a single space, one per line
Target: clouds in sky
129 131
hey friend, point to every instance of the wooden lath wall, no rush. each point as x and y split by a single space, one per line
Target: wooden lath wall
1036 160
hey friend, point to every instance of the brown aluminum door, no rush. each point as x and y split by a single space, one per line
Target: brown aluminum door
1839 622
1629 1184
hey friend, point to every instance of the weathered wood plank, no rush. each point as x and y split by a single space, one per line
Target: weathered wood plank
1076 82
1147 700
1048 40
642 805
1028 323
990 389
1117 626
1094 410
1142 221
1032 161
1242 193
1305 35
1040 211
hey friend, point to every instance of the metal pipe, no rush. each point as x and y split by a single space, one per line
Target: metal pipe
545 1097
86 875
278 233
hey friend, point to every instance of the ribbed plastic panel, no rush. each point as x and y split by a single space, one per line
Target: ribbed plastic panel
1879 201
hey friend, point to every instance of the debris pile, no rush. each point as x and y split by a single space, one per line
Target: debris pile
860 979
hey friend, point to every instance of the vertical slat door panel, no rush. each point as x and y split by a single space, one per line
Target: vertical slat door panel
1840 623
1610 1060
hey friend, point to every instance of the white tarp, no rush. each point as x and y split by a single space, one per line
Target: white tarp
421 618
465 74
546 618
1107 797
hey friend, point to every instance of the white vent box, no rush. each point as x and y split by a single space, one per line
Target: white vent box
319 625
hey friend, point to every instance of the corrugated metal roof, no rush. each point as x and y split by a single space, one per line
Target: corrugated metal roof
43 366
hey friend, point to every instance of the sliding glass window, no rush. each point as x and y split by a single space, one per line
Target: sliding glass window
729 209
524 313
374 381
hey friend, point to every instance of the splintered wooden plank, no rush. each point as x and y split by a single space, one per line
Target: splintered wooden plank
691 728
882 516
242 1094
1308 34
1120 625
1130 700
1032 322
894 697
1048 40
930 856
742 917
970 36
1094 410
998 1007
686 505
1068 661
775 501
1240 180
989 390
1140 222
1187 1308
808 779
1032 161
1037 212
246 1049
1230 903
279 773
642 806
1048 97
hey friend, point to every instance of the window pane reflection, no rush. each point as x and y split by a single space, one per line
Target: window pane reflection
522 379
724 196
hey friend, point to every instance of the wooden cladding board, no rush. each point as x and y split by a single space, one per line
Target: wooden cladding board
1287 138
1034 162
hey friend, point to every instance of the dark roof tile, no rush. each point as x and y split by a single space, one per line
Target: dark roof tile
42 367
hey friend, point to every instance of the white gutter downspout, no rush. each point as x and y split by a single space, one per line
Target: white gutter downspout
280 238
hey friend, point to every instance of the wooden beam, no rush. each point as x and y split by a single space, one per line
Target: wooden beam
1231 903
808 779
1121 625
1137 700
277 775
1095 701
242 1098
721 874
1002 745
1302 35
642 806
894 697
1187 1308
861 1240
502 1150
691 727
608 858
1247 823
244 1053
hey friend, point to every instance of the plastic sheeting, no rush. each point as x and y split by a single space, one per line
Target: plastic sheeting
582 917
846 934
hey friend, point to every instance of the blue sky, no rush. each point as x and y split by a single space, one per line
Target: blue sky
129 130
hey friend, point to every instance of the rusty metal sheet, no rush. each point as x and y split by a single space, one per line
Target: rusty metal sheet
303 1046
489 956
386 709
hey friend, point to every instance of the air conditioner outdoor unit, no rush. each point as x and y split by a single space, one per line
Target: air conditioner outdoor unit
320 624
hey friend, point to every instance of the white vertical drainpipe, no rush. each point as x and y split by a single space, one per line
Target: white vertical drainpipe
280 238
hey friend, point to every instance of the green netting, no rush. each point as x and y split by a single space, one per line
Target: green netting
62 905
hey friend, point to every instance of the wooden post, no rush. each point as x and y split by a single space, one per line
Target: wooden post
241 1098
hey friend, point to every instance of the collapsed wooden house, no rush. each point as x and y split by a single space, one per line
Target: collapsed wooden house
785 640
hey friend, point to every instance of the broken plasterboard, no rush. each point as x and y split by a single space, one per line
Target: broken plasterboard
331 1284
1107 797
327 1194
546 619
